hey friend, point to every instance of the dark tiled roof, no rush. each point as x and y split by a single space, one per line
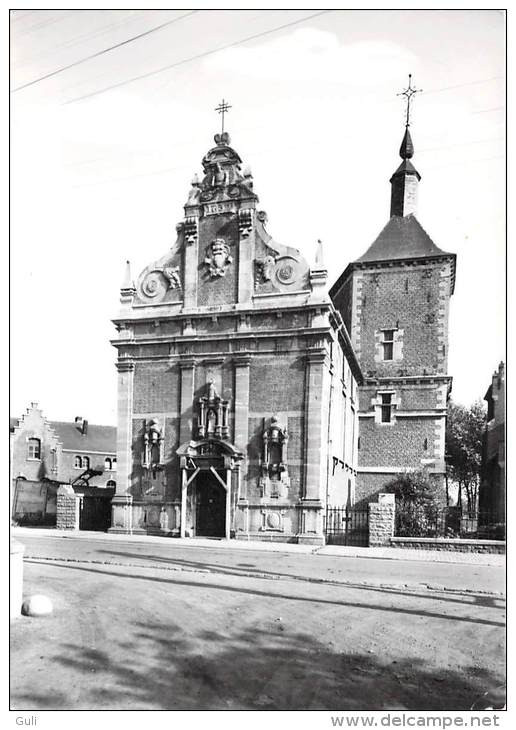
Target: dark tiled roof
402 238
98 438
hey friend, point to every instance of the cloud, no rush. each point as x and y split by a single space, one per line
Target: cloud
308 54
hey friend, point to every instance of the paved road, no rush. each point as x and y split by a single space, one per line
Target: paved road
160 625
175 555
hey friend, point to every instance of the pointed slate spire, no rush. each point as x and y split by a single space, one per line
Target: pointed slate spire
404 182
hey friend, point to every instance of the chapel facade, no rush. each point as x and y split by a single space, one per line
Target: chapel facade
237 381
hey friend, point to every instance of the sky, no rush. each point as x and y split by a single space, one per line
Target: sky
101 162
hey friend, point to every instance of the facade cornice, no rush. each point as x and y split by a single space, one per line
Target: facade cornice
392 263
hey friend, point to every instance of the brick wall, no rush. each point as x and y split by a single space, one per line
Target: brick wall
156 388
409 298
277 384
396 444
220 289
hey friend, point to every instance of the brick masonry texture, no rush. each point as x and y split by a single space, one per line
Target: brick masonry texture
396 444
156 388
404 298
223 289
277 384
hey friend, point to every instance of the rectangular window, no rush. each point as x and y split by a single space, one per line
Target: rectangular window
388 344
34 449
386 407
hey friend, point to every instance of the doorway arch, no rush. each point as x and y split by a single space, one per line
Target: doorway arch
210 506
206 478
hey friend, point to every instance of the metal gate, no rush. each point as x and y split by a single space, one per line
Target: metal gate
95 508
347 526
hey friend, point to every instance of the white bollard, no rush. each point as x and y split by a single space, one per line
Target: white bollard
37 606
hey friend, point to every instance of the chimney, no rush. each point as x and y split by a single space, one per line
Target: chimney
81 424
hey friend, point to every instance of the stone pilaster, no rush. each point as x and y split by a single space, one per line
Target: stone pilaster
246 254
381 520
241 437
316 445
187 396
191 253
316 424
124 425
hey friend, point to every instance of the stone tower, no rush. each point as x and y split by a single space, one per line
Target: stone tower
394 301
229 349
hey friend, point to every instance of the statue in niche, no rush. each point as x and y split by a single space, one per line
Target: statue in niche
152 457
274 480
219 176
163 519
213 414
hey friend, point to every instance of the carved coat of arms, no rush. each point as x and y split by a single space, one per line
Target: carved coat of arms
218 257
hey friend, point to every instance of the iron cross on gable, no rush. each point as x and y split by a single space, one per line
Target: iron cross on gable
408 93
223 108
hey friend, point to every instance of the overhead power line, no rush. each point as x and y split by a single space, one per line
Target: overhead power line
101 53
197 56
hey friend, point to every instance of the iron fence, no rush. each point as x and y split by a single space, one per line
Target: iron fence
346 526
431 521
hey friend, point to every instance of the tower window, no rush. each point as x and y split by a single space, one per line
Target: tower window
113 464
85 462
108 465
34 449
425 444
386 407
77 464
388 344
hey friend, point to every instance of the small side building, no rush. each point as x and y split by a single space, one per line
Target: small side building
44 454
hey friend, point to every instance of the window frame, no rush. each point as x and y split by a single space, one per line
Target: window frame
388 343
34 441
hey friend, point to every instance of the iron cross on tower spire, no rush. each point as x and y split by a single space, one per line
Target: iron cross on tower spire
408 93
222 108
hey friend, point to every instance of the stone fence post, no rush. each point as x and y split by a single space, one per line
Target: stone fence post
381 520
67 514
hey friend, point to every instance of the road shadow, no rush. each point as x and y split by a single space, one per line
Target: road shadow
260 668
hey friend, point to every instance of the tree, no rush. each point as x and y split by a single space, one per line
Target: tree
417 504
464 438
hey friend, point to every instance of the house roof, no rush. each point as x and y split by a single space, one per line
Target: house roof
402 238
97 438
